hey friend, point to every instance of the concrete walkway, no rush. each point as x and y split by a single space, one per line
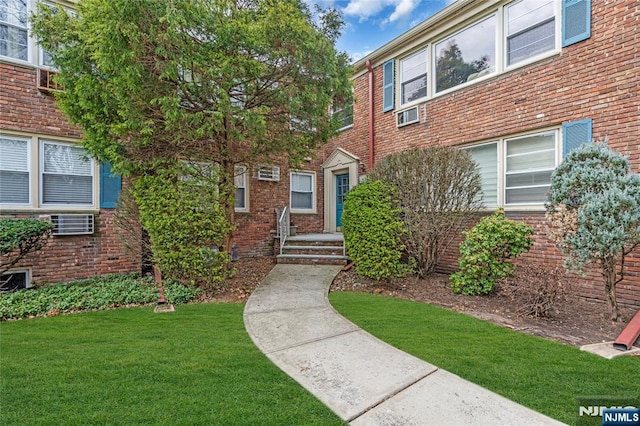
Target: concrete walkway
362 379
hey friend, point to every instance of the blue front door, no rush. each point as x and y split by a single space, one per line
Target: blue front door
342 187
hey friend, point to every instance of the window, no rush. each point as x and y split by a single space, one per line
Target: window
302 191
14 170
343 114
486 157
240 183
413 77
530 160
466 55
14 280
516 171
13 29
66 174
530 29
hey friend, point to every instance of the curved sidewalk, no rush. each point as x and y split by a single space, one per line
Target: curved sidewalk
362 379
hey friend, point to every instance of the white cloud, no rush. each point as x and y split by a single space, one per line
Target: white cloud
364 9
403 9
356 56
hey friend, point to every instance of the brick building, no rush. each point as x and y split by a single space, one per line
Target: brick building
518 83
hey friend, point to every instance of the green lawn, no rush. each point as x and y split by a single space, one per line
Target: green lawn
131 366
541 374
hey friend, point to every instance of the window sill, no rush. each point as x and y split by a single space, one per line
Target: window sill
313 211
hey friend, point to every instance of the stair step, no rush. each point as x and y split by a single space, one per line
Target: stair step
287 247
309 259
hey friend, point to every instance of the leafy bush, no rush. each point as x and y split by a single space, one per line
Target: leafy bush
181 209
438 189
594 212
373 231
485 252
103 292
19 237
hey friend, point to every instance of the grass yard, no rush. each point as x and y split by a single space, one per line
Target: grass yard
538 373
131 366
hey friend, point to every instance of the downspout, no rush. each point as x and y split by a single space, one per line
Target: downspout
370 68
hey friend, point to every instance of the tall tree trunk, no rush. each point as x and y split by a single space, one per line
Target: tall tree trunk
609 276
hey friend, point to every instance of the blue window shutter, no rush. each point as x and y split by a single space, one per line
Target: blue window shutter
387 85
575 134
576 21
110 185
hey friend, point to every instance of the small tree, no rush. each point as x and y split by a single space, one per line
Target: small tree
486 251
19 237
373 231
152 82
437 188
593 211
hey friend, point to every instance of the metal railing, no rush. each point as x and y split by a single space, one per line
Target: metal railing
283 225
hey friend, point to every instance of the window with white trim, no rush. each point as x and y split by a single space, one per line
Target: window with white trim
302 191
530 29
14 35
66 174
240 183
15 176
466 55
516 171
15 280
413 77
343 114
529 162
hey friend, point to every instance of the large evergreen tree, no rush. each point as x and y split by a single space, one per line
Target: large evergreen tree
155 83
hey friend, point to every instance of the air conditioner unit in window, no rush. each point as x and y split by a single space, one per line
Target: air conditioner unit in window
72 224
46 81
408 116
270 173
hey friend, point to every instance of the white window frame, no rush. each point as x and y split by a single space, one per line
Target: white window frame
501 164
424 50
488 73
500 66
549 169
242 172
313 191
336 109
89 206
29 169
557 16
27 273
30 42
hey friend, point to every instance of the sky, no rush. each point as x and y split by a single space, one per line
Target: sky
372 23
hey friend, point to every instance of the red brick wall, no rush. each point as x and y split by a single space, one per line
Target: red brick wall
70 257
598 78
24 108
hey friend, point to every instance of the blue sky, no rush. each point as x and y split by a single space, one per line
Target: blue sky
372 23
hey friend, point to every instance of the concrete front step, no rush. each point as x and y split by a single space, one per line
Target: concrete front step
312 259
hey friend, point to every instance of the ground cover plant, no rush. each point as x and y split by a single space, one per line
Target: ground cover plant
130 366
543 375
104 292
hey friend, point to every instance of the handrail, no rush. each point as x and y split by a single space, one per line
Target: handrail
283 226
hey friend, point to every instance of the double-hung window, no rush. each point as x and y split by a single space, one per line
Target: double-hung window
302 191
529 162
15 177
14 38
530 29
66 174
413 77
516 171
240 183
